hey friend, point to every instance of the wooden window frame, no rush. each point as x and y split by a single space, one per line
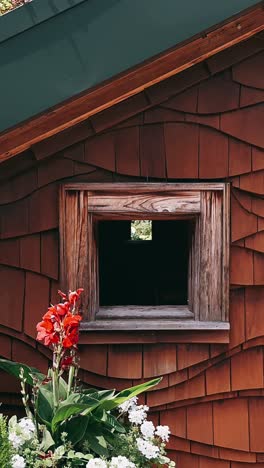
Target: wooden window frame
82 205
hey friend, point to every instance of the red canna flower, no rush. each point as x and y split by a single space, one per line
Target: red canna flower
59 324
71 330
74 296
62 295
63 308
71 321
70 340
51 315
47 333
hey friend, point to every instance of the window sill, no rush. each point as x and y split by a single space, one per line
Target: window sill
152 325
146 324
152 313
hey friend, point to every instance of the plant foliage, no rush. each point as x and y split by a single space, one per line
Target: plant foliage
5 447
67 425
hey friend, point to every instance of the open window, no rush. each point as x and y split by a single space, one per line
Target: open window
149 256
143 266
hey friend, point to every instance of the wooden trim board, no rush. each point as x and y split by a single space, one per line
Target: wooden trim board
164 324
144 312
146 187
208 287
159 336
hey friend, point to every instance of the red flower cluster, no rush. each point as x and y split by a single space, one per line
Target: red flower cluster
60 325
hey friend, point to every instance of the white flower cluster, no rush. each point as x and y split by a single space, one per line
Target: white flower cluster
115 462
147 448
147 444
96 463
18 462
128 405
138 414
163 432
147 429
20 432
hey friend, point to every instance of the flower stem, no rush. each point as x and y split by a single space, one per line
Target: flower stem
55 377
55 388
70 380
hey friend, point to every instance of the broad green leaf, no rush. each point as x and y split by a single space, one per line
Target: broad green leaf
137 389
60 451
47 440
84 405
109 437
44 404
13 368
101 395
75 428
108 420
99 414
85 456
88 391
72 398
62 389
114 423
96 442
79 398
128 393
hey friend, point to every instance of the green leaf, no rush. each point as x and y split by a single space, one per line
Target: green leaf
62 389
89 391
128 393
78 398
108 420
99 414
114 423
104 394
109 437
97 442
44 404
84 404
85 456
13 368
47 440
75 428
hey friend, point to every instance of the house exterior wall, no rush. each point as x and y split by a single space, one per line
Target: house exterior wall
211 395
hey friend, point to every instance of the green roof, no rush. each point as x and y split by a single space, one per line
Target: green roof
53 50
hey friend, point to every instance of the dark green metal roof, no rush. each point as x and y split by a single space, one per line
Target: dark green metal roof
51 50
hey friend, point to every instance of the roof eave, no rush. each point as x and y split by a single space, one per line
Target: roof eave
131 82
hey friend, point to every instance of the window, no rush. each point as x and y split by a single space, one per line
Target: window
143 270
150 256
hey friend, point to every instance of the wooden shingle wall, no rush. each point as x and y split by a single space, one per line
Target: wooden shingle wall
205 124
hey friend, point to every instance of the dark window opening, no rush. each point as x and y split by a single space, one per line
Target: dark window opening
143 273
